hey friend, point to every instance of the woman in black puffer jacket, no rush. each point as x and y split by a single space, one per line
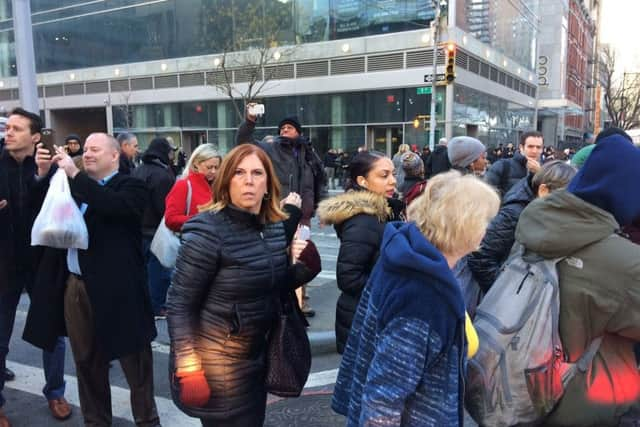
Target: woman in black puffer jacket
232 266
359 217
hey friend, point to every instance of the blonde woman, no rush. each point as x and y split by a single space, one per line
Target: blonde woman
199 174
397 163
405 364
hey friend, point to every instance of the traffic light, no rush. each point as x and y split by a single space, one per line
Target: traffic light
416 123
450 72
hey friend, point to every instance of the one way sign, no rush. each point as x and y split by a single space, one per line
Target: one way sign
429 77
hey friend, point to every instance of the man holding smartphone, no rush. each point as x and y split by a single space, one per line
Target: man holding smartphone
18 209
296 163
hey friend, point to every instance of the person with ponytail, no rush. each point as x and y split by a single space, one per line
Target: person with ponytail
359 217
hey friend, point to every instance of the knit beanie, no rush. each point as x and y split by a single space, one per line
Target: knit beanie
412 165
71 137
609 179
582 155
293 121
464 150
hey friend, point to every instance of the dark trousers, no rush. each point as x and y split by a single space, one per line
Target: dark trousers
92 366
52 362
158 276
250 419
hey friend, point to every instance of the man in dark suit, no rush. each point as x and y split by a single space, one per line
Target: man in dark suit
106 304
17 212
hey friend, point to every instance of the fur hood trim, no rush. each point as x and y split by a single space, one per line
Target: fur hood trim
338 209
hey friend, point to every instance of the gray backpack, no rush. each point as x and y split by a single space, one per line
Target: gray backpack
519 373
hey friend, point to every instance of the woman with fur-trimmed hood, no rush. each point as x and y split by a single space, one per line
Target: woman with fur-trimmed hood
359 217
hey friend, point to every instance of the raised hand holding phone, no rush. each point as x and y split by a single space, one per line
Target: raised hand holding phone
300 242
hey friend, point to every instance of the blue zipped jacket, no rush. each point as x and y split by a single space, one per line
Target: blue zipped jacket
405 358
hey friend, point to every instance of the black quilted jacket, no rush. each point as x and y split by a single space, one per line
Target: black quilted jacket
221 306
494 250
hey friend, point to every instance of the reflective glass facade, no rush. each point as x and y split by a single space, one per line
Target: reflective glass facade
72 34
332 120
493 120
509 26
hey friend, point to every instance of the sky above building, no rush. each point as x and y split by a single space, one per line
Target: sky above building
620 29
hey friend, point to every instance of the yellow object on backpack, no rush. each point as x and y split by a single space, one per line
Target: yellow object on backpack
472 336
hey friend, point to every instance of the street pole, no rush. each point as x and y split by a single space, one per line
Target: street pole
25 57
434 76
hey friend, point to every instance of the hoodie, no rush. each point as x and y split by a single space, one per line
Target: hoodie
404 365
609 179
158 176
599 297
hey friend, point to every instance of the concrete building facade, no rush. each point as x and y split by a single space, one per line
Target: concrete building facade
566 58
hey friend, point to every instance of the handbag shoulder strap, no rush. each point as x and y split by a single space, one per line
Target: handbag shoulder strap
189 192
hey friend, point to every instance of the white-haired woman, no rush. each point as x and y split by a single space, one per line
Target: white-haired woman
199 174
405 358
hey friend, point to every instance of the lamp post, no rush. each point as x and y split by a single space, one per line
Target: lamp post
434 76
25 58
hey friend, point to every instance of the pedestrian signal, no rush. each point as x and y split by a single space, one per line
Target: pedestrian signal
450 71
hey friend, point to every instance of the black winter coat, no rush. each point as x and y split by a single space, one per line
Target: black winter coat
221 306
159 178
505 173
17 183
112 268
359 218
297 165
496 245
437 162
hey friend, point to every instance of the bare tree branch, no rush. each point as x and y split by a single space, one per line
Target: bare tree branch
243 73
621 95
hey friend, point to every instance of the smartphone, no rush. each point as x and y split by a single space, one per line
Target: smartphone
304 233
48 140
256 109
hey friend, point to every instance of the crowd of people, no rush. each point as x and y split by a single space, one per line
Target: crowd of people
424 238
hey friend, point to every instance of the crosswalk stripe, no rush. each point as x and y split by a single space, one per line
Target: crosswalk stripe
331 275
30 379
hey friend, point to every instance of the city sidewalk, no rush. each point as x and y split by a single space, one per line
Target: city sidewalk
312 409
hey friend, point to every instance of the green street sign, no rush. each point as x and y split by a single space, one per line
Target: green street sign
424 90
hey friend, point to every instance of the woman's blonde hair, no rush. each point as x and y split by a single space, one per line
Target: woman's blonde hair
270 209
454 211
201 154
403 148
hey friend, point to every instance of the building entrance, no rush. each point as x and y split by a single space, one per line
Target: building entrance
386 139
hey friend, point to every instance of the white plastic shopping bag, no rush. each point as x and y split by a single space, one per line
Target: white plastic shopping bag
60 223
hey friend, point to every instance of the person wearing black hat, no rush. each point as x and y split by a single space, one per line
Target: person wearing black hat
298 166
156 172
73 145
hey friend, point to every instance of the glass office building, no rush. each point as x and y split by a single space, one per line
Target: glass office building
353 71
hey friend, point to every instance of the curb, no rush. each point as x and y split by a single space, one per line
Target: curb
322 342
